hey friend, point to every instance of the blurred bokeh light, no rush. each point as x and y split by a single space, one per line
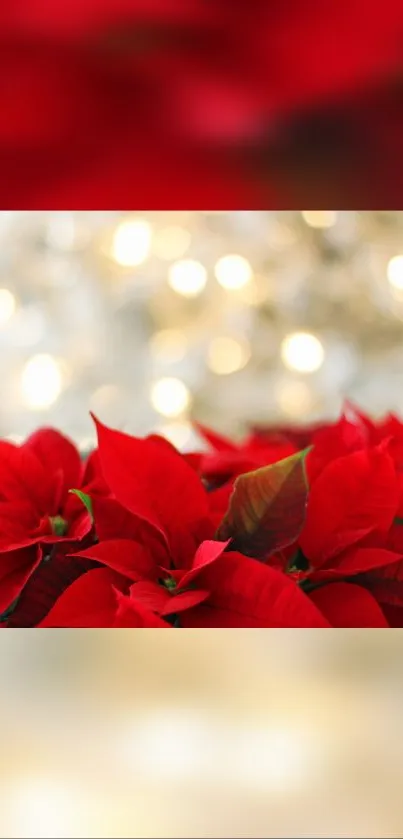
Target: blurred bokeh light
233 318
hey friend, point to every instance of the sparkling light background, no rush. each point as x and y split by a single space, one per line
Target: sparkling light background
150 319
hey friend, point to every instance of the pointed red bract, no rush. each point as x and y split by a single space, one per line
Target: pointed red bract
90 601
346 606
153 482
246 593
355 495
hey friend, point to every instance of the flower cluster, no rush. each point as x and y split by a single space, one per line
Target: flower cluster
290 528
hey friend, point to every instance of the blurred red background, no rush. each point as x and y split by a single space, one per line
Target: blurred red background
191 103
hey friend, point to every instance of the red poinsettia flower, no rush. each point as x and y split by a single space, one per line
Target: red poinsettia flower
37 509
157 533
227 459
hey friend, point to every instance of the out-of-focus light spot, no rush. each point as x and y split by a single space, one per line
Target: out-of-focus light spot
320 219
178 433
273 759
7 305
294 398
40 807
226 355
233 271
168 345
187 277
131 242
395 272
171 242
303 352
170 397
41 382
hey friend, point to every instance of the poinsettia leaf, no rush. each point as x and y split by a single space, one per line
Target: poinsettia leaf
267 507
87 501
215 440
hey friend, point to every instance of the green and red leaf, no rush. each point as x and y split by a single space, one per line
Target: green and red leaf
267 508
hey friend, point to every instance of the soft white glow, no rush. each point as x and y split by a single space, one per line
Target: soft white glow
170 397
131 242
319 218
17 439
276 759
303 352
41 807
187 277
395 272
41 382
7 305
226 355
171 745
171 242
233 271
168 345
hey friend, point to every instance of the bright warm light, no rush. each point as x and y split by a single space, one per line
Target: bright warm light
178 433
187 277
171 242
7 305
41 382
395 272
233 271
168 345
226 355
131 242
319 218
42 808
170 397
294 398
303 352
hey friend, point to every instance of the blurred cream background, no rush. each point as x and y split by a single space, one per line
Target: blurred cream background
243 734
150 319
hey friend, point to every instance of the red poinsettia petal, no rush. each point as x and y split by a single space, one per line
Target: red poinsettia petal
153 482
267 508
16 568
23 477
208 552
57 454
246 593
346 605
151 594
215 440
332 441
184 600
90 601
358 560
45 586
133 613
355 495
128 558
112 521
